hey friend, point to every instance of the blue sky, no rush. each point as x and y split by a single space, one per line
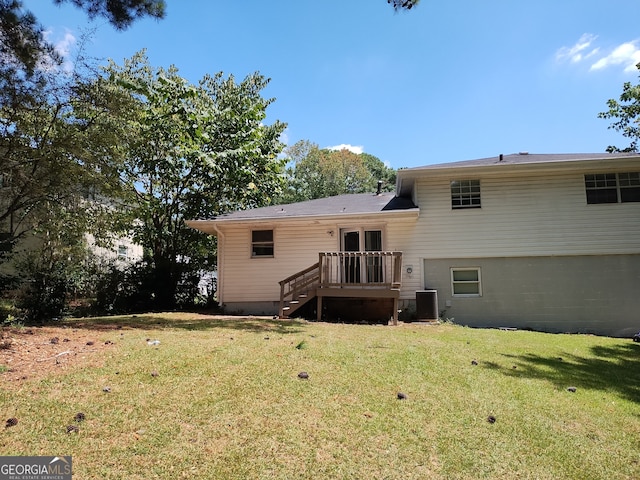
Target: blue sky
447 81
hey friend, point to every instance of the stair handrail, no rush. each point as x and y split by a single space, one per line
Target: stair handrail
298 283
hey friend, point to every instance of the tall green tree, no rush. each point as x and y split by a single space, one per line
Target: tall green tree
60 138
199 151
626 115
317 173
60 143
58 133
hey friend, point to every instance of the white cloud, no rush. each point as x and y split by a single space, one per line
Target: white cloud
65 44
576 53
352 148
63 47
627 55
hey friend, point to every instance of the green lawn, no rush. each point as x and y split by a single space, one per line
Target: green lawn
225 401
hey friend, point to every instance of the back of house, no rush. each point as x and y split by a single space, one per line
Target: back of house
544 242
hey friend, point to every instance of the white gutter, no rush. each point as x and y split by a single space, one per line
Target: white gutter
220 264
497 168
201 224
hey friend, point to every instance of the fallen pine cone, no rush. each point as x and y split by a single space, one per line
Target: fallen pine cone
303 375
11 422
72 428
80 417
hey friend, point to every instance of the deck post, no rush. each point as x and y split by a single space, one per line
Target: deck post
397 268
281 309
382 278
395 311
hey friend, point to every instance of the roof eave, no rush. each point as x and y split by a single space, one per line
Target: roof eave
406 176
201 224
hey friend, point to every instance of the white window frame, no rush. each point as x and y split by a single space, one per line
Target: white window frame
271 243
465 190
620 182
455 282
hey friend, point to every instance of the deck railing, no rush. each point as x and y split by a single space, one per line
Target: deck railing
352 270
360 269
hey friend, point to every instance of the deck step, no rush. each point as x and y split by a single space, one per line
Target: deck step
286 308
294 302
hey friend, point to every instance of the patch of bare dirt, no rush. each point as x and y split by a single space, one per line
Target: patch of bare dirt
37 352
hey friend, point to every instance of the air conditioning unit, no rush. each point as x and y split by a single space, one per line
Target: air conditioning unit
427 304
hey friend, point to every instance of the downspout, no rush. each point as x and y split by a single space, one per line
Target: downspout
220 263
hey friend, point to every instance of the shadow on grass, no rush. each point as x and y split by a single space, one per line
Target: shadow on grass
615 368
192 322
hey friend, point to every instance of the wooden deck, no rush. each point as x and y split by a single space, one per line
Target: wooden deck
345 275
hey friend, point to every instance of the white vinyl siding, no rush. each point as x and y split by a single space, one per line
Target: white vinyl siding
522 215
526 215
297 246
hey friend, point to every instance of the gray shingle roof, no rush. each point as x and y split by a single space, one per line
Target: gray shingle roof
352 204
369 203
526 158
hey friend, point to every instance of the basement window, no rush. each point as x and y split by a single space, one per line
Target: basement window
466 282
612 187
261 243
465 194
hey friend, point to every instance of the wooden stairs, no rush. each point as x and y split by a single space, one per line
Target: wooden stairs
343 274
298 289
